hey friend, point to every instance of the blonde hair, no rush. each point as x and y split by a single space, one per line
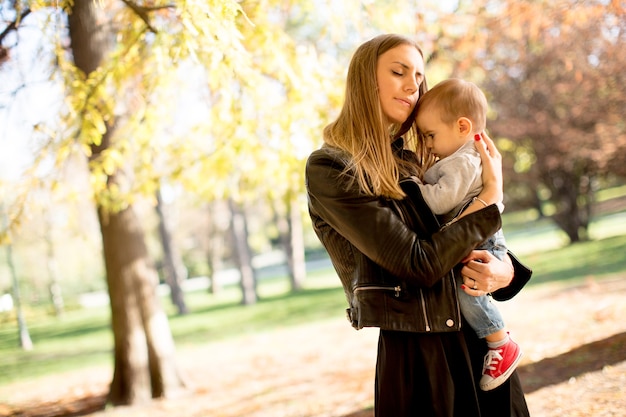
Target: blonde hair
455 98
360 129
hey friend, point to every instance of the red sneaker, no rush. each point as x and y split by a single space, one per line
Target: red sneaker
499 364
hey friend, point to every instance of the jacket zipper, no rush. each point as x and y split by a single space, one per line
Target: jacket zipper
458 306
426 323
397 289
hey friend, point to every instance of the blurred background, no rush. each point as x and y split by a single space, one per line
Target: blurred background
152 162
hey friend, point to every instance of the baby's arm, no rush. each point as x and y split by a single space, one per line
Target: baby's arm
476 204
446 187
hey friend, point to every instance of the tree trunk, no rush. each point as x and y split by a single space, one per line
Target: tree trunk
291 237
24 336
144 364
537 202
214 261
297 263
172 265
54 287
218 225
144 348
243 254
572 200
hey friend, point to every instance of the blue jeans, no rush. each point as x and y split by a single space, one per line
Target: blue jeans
480 312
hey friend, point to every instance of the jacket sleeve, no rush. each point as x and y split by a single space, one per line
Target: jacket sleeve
380 234
521 277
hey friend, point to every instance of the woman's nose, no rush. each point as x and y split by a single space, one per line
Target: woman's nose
412 85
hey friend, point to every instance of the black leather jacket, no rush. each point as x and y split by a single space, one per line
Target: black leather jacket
395 263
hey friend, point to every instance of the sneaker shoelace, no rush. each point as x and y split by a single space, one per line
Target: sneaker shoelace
492 358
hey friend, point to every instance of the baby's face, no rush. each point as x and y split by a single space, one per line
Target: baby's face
442 139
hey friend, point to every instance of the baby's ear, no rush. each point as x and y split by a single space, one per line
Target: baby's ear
464 126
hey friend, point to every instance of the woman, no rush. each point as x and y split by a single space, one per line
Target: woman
395 265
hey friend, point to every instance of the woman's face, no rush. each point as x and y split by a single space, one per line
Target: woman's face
399 73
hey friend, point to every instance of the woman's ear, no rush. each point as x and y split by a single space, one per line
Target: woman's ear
464 126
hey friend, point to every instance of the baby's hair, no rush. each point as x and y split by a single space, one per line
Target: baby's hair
456 98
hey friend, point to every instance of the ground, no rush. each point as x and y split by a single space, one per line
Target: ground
574 364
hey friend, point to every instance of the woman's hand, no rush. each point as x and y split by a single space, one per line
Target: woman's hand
483 273
492 169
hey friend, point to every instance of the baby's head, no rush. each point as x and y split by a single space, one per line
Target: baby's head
449 114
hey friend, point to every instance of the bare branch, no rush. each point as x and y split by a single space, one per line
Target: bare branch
143 11
14 24
4 52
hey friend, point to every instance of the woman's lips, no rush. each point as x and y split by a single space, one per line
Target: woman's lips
405 102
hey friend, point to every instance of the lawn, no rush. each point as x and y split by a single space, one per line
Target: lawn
82 338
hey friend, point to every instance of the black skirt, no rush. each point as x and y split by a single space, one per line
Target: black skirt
437 375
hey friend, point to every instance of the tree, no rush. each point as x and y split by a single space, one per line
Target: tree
116 47
24 335
144 362
215 245
557 88
243 254
260 93
54 286
551 71
288 220
173 270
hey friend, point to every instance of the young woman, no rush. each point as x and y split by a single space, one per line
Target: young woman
395 264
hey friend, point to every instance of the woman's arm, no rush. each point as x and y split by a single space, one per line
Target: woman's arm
482 270
503 279
378 232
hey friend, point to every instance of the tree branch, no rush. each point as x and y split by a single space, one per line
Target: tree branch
143 11
4 52
14 24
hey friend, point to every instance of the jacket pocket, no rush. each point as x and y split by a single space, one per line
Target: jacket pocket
397 290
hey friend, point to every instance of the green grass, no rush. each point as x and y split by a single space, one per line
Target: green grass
215 322
574 263
82 338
